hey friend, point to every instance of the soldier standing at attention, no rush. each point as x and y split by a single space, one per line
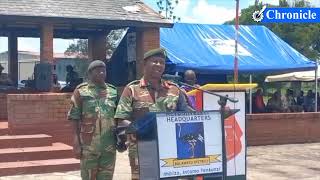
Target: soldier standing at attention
92 112
149 94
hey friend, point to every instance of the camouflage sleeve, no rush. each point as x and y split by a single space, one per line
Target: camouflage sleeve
75 110
124 108
183 103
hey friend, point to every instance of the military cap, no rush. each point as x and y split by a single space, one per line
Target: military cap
154 52
95 64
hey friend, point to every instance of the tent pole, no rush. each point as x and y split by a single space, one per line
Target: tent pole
235 68
316 93
250 94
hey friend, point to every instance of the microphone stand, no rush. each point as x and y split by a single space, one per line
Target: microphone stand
225 98
222 102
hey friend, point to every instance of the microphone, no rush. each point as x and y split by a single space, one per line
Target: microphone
178 80
173 78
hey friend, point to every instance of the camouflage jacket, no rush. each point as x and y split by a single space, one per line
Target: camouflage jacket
95 107
139 98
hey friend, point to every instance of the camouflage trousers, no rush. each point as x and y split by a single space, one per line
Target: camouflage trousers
98 159
133 159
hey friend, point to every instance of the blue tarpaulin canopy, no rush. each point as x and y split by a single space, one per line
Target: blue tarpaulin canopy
209 49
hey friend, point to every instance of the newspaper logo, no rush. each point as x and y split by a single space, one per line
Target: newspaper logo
287 15
258 16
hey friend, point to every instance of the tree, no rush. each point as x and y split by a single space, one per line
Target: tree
166 8
80 47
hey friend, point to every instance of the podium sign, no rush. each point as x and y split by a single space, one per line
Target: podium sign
235 132
189 143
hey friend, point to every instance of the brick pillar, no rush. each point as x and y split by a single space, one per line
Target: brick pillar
13 58
97 47
46 43
46 56
147 39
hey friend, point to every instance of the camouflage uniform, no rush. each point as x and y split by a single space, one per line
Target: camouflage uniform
139 98
94 107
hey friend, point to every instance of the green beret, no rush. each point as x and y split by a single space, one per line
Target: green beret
154 52
95 64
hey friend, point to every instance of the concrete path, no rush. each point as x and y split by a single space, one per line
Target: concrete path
281 162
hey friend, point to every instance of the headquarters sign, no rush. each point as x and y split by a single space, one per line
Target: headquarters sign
287 15
189 143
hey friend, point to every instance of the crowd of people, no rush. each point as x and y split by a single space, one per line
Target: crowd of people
286 103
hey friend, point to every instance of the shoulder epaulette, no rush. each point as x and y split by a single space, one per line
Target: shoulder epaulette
172 83
134 82
112 86
82 85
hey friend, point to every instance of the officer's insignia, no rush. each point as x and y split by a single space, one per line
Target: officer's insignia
103 94
171 106
143 93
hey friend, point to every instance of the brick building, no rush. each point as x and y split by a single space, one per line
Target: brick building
30 118
91 20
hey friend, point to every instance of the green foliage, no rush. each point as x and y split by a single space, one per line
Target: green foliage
80 47
166 7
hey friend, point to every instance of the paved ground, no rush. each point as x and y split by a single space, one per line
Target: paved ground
282 162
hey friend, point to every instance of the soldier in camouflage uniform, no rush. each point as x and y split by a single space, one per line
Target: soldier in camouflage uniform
149 94
92 111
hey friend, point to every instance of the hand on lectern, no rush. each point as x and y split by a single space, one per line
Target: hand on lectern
121 144
121 136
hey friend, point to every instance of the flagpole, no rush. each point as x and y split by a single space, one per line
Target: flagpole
235 73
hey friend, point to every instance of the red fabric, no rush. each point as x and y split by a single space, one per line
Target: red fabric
199 101
233 137
259 102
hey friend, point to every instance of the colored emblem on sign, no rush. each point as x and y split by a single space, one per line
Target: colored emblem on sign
190 140
190 147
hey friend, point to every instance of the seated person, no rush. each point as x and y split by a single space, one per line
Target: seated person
258 103
4 78
290 102
191 79
274 103
72 80
309 102
318 97
300 98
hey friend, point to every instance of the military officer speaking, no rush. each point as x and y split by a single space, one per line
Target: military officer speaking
92 112
149 94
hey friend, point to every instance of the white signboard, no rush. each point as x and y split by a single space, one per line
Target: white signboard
226 47
234 131
131 46
189 143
